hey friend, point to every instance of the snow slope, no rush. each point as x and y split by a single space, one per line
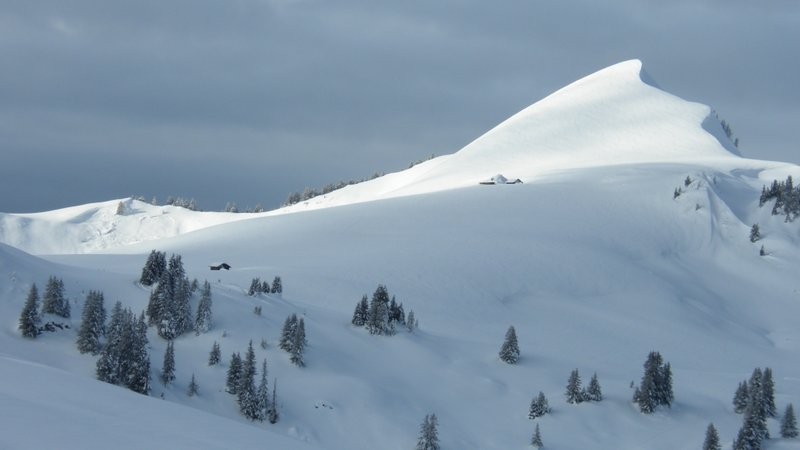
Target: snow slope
592 260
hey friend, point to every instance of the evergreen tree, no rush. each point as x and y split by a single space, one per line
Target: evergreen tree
265 287
246 392
255 287
429 434
539 406
360 313
154 267
754 426
593 392
378 314
656 386
287 333
272 412
789 423
509 351
53 301
234 374
202 322
168 369
124 359
138 376
173 313
536 440
711 441
262 394
277 285
113 362
740 398
157 303
411 321
574 391
193 388
93 321
755 233
29 317
768 393
298 344
214 355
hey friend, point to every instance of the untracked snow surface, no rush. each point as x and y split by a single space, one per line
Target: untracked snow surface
592 259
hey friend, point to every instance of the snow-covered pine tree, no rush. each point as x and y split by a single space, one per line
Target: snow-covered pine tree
393 311
29 317
754 426
509 351
265 287
255 287
656 386
154 267
277 285
138 376
740 398
92 326
193 388
298 344
539 406
214 355
789 423
234 374
593 392
711 441
574 391
768 393
664 389
167 374
202 322
172 312
246 392
112 363
755 233
272 411
411 321
429 434
360 313
262 394
53 298
536 439
287 333
378 314
157 303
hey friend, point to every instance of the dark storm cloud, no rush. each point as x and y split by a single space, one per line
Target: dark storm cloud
247 100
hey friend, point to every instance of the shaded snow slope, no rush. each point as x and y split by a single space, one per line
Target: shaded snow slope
615 116
77 412
97 226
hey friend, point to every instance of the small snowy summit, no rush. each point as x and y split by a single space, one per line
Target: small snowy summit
602 270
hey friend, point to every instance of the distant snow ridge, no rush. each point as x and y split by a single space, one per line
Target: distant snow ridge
104 225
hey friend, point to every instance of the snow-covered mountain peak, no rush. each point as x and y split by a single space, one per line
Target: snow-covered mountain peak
615 116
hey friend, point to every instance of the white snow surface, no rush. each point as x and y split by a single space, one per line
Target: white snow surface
591 259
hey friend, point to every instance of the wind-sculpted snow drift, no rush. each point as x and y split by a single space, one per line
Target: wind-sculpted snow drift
592 259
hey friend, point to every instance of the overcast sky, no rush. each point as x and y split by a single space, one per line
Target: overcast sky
247 100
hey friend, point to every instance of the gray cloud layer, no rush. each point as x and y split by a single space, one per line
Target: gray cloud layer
245 100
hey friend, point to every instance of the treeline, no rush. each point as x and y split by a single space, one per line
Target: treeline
309 193
786 196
